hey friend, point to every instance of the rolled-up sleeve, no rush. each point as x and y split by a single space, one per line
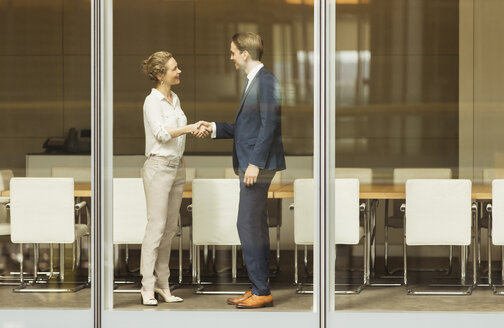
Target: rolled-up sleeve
154 119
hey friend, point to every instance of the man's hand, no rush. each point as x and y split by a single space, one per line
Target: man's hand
250 177
204 129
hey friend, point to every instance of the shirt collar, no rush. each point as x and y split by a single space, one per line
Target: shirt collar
156 93
254 71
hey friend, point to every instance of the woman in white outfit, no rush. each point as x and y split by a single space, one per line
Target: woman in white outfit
163 174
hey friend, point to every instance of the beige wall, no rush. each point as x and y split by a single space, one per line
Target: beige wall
400 108
45 74
45 84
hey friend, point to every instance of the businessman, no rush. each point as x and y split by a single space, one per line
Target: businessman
257 154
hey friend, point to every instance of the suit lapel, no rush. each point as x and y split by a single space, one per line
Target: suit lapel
251 85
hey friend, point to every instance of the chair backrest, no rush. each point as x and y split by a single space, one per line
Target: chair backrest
498 212
438 212
346 211
230 174
42 210
5 176
79 173
364 175
489 174
129 211
303 211
403 174
215 211
190 173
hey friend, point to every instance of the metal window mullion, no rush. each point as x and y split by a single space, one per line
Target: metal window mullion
96 156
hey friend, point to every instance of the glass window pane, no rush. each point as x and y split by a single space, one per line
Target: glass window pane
415 98
273 130
45 159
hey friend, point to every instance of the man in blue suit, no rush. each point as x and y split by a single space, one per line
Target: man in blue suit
257 154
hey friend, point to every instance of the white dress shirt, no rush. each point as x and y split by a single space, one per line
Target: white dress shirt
250 77
159 113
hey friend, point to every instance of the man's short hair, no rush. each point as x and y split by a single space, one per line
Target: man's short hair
252 42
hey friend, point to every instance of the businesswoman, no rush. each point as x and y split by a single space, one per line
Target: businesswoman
163 174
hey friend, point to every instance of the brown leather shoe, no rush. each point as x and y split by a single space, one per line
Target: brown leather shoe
256 301
234 301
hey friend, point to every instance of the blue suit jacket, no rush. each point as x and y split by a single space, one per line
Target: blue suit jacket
257 130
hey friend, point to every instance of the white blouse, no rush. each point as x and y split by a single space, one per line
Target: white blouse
159 113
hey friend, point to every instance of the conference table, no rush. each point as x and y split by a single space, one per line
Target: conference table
371 193
83 189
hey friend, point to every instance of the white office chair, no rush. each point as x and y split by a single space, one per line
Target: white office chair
43 211
78 173
185 213
130 220
347 221
438 212
395 220
365 176
496 236
5 227
215 212
274 211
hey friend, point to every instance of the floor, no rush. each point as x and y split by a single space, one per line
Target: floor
285 298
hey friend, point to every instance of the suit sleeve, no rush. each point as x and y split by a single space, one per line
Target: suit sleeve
269 109
224 130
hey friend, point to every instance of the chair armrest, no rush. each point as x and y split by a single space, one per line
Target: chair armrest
403 207
189 208
362 207
489 208
4 200
7 206
474 207
80 206
291 207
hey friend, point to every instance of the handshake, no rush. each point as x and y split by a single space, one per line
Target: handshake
201 129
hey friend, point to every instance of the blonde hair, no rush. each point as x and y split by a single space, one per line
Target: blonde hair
156 65
252 42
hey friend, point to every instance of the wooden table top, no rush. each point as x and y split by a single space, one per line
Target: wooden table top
388 191
83 189
280 191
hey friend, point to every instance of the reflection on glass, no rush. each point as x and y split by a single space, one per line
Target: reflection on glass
45 165
413 101
198 33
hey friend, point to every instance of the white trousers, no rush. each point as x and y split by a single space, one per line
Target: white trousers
164 180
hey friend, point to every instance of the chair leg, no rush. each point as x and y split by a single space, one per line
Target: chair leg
278 249
21 265
305 260
463 261
478 244
180 257
62 262
450 260
51 261
205 256
198 265
214 268
35 262
190 245
233 262
296 276
405 263
116 260
89 259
